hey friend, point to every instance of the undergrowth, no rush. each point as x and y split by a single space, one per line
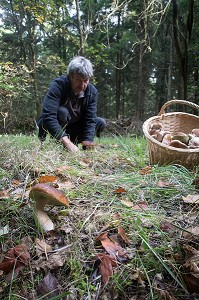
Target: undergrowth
105 185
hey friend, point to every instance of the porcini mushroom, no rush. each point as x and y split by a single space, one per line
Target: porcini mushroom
195 132
178 144
44 194
181 136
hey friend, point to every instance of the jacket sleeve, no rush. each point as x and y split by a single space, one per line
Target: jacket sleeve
89 119
51 104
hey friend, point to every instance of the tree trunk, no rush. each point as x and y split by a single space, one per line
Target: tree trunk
181 42
118 71
81 35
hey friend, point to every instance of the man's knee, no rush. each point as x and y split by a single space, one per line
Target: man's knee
63 116
100 125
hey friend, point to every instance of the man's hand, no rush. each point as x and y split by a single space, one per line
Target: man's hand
88 145
69 145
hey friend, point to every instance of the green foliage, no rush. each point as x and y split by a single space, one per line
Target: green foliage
129 42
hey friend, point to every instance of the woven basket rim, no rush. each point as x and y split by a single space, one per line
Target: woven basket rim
150 138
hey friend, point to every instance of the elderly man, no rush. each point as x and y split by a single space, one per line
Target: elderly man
69 108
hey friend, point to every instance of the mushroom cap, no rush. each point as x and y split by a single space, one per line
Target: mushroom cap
195 131
44 193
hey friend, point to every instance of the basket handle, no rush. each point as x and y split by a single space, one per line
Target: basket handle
177 102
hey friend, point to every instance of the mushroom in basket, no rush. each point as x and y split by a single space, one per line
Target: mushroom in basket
43 194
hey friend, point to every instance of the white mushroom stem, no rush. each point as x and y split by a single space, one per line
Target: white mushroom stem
44 194
42 219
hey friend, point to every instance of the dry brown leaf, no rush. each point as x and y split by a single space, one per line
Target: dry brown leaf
190 231
119 191
116 216
16 259
146 170
196 182
138 207
191 269
113 248
163 184
194 199
60 170
66 185
16 182
146 223
42 247
4 194
48 286
139 277
106 266
166 226
55 261
47 178
123 235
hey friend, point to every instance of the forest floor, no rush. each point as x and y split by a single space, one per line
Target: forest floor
130 230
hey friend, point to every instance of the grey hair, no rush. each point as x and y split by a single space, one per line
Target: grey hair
80 65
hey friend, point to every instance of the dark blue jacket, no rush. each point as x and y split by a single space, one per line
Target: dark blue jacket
59 91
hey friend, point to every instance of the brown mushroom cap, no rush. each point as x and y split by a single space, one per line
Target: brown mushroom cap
44 194
50 195
178 144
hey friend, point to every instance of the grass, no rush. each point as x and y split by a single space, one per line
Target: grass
95 176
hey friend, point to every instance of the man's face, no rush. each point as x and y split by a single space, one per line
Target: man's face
78 83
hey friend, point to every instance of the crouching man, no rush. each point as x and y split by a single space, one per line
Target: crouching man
70 106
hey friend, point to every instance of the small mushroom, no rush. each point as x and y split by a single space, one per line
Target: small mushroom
178 144
195 132
167 139
194 142
44 194
158 136
181 136
154 128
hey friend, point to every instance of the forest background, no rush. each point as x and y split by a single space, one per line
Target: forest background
144 53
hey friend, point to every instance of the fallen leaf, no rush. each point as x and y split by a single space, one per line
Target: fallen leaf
146 170
106 266
119 191
16 182
146 223
139 277
47 178
123 235
113 248
190 231
196 182
163 184
15 260
42 247
62 169
56 261
48 286
166 226
194 199
66 185
191 269
116 216
4 194
138 207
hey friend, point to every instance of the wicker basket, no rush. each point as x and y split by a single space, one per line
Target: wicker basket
176 121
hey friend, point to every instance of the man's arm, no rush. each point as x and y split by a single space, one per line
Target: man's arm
69 145
90 116
51 104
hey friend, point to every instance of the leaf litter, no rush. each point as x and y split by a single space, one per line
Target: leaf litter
103 242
